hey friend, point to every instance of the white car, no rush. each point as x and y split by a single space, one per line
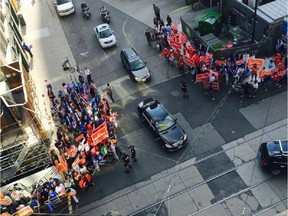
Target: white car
105 35
64 7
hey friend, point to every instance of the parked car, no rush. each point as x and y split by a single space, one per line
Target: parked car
64 7
136 68
105 35
164 126
273 156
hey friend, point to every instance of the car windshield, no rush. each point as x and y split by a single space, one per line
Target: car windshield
106 33
165 123
60 2
137 64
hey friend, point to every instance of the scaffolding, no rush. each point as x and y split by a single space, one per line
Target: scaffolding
25 142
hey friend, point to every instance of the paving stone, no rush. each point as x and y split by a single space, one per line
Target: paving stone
147 201
141 193
279 134
185 164
245 152
95 211
265 195
277 184
251 201
118 203
217 210
247 170
190 176
236 207
125 210
230 145
180 205
201 196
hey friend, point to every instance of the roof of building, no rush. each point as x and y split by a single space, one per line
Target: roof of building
273 11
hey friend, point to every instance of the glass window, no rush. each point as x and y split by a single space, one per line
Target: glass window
165 123
105 33
60 2
137 64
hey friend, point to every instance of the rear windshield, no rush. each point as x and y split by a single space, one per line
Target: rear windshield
60 2
284 145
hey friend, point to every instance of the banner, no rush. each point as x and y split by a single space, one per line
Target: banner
219 62
78 138
282 72
215 86
202 77
267 72
240 62
100 133
26 211
258 61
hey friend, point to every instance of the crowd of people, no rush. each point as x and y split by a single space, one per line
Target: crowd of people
191 55
79 110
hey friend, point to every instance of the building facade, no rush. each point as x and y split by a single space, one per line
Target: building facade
24 139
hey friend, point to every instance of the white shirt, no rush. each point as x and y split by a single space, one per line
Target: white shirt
60 189
255 85
211 79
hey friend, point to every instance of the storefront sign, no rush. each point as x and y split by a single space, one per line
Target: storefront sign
202 77
100 133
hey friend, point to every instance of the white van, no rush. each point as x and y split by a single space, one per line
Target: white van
64 7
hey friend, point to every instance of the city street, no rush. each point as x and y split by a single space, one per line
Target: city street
217 173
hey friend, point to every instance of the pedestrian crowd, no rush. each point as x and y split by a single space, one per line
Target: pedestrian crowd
235 71
80 112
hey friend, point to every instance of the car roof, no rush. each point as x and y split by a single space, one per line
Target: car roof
131 53
155 109
103 27
277 148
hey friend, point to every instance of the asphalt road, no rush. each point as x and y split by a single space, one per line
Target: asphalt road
209 124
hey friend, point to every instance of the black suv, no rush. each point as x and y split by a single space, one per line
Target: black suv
273 156
136 68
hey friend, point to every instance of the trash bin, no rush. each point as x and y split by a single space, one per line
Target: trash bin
21 19
210 22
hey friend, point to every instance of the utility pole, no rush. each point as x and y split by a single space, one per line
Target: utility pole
254 21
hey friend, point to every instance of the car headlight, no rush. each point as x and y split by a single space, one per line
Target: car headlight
184 137
138 78
168 146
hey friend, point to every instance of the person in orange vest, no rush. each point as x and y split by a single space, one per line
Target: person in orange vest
180 65
254 70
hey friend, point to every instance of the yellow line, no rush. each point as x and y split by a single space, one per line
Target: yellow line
123 30
178 9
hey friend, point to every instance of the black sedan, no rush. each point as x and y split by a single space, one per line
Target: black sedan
166 128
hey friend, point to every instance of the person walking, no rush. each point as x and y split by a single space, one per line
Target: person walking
148 36
184 90
126 162
180 65
156 11
210 89
132 153
254 70
113 151
87 73
169 20
109 92
254 88
27 49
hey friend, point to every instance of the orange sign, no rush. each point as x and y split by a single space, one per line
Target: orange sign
282 72
264 73
202 77
100 133
26 211
259 62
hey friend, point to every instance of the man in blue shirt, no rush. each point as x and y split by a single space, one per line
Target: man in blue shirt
27 49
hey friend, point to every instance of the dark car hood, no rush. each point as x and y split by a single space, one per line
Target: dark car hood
172 135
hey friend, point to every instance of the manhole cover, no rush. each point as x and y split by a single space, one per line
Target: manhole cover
176 93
